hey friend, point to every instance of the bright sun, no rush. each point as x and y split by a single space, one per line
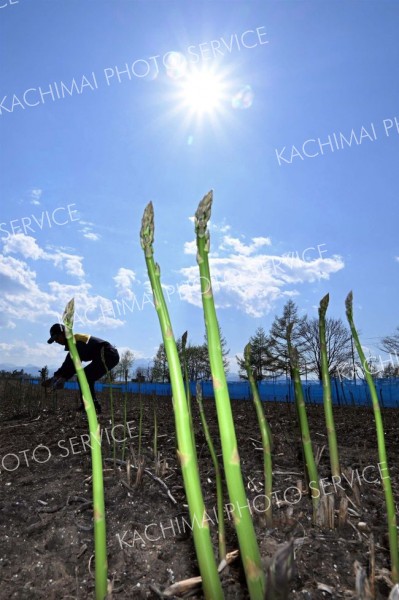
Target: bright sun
202 92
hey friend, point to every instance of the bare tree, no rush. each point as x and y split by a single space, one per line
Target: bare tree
338 342
390 343
124 365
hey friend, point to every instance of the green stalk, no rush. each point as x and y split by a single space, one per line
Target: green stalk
100 539
186 450
187 383
383 465
304 425
327 396
124 418
265 435
185 369
243 521
112 407
219 486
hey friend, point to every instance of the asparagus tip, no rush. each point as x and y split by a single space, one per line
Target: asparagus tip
324 305
203 214
349 304
67 317
247 352
184 339
147 229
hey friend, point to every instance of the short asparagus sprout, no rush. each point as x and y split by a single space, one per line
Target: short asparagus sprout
187 380
218 476
386 479
242 518
100 540
112 406
303 423
327 396
185 370
265 435
186 449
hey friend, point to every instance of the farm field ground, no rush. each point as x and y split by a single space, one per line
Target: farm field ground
46 540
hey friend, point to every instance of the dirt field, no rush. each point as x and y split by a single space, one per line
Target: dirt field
46 542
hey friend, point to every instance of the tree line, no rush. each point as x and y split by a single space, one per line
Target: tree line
269 354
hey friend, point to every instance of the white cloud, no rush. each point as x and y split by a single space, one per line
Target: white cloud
22 244
190 247
90 310
258 242
221 228
124 280
27 247
20 353
252 281
6 323
71 262
240 248
92 236
21 297
136 353
88 232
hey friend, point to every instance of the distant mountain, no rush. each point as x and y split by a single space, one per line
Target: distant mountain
29 369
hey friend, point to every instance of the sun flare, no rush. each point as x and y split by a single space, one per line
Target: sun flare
202 92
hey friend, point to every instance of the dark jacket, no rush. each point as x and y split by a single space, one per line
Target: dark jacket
88 347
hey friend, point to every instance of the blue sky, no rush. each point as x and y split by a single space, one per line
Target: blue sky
299 141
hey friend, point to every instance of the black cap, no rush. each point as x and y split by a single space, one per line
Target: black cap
55 329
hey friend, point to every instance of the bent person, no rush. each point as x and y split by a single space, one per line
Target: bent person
90 348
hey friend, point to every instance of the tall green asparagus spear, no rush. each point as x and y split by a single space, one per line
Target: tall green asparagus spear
303 423
186 451
112 408
242 516
187 381
383 464
185 370
265 435
218 477
100 540
327 397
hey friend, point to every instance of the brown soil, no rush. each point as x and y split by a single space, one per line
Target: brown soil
46 539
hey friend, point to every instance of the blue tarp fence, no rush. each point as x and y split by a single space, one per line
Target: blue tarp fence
345 392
